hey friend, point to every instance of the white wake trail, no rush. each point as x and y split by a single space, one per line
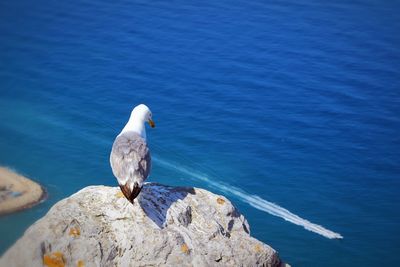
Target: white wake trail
254 200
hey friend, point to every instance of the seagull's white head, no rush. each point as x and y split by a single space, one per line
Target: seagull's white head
139 116
143 114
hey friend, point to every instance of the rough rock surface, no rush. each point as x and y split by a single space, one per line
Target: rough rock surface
166 226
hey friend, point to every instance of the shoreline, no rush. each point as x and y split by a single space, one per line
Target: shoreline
18 193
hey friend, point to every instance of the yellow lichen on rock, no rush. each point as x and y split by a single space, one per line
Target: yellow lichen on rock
74 231
258 248
81 263
185 248
55 259
119 194
220 201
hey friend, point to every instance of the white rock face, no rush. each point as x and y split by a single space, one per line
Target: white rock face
166 226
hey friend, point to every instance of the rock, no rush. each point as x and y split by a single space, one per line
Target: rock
166 226
18 192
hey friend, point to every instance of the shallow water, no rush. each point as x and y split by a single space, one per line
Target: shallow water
275 105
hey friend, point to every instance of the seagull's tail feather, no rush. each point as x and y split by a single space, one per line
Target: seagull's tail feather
128 193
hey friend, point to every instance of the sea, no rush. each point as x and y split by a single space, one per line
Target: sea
291 109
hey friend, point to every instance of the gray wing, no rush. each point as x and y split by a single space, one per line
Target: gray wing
131 163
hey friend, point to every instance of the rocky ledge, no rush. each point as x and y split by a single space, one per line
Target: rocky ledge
166 226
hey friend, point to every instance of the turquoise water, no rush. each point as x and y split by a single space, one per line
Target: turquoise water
280 102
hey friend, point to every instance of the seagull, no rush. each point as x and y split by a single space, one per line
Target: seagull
130 156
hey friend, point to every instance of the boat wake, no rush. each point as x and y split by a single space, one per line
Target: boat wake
253 200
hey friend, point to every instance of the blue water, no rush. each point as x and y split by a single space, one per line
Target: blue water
295 103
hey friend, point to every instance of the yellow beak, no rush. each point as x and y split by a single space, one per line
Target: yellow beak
152 124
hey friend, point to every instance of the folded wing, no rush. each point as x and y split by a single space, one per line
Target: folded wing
131 163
